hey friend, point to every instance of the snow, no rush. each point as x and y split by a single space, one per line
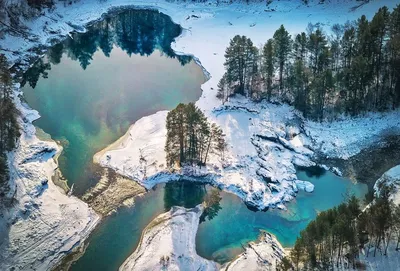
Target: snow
171 237
389 262
266 141
390 178
262 255
259 165
43 224
347 137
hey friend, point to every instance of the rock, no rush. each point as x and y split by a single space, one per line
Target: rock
305 186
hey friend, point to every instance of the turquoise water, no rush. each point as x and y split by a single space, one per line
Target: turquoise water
219 238
93 86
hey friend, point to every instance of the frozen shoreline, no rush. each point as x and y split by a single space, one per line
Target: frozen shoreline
206 38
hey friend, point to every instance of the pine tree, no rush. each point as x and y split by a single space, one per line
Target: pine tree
190 137
282 46
268 66
9 128
240 58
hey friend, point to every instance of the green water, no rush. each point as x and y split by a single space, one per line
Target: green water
92 87
219 238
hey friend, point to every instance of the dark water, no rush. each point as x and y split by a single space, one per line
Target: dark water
227 225
92 87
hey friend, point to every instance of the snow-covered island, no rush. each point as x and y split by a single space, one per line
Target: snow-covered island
265 141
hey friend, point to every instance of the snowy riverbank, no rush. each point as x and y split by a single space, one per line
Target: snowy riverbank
43 224
265 141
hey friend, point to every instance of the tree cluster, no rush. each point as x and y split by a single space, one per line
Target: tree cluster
354 69
9 129
190 137
335 237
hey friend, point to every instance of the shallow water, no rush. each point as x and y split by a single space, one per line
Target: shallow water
92 87
221 237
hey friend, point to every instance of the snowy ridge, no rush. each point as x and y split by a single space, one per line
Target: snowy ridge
168 242
43 224
348 136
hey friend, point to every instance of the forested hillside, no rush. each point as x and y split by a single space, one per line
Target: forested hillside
335 238
350 68
9 130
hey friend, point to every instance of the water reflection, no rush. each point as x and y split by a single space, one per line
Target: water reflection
136 32
189 194
91 87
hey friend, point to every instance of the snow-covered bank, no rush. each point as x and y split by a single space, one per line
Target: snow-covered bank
43 224
168 243
390 179
265 254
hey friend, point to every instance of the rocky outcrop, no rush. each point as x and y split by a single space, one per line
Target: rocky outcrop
265 254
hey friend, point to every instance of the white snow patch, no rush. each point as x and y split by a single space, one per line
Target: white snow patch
168 243
347 137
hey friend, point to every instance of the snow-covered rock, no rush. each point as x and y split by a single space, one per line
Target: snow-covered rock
305 186
390 178
264 254
168 243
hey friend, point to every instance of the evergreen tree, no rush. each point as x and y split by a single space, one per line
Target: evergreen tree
9 128
282 46
240 59
268 66
190 137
